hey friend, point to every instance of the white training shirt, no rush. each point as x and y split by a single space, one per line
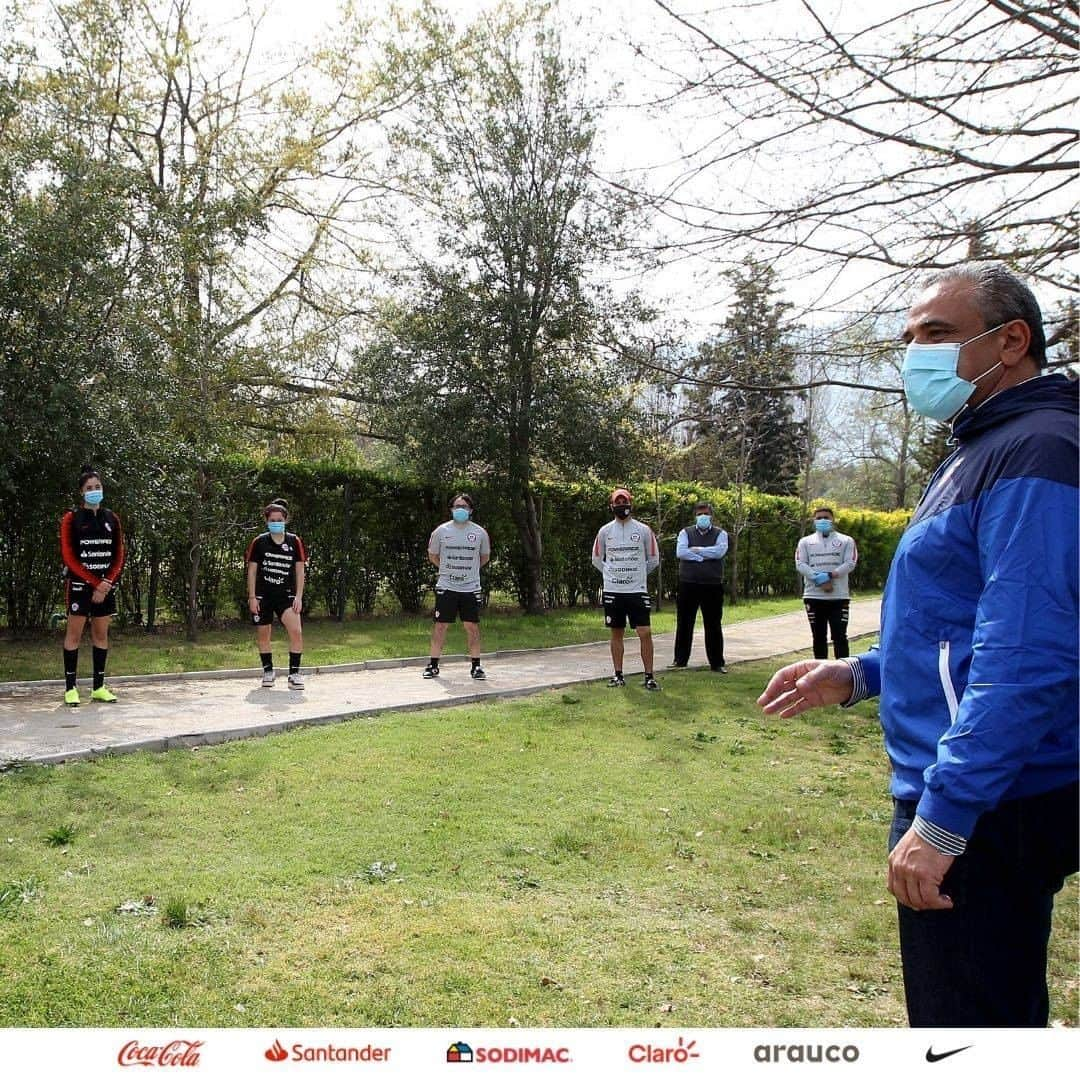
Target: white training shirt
459 548
835 552
625 552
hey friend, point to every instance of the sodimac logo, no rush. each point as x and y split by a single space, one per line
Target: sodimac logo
508 1055
178 1053
329 1052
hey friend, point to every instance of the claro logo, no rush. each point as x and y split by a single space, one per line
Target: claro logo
509 1055
179 1052
797 1053
653 1054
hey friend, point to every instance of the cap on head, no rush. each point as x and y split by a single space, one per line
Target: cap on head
621 493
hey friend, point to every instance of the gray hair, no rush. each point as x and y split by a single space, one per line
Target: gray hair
1000 296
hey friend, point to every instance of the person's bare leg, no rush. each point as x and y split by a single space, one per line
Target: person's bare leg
644 634
294 628
617 648
438 639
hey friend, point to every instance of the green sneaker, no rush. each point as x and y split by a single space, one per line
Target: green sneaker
102 694
71 697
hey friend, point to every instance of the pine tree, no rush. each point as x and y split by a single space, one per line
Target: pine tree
745 433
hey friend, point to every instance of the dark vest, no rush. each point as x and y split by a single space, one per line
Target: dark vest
708 571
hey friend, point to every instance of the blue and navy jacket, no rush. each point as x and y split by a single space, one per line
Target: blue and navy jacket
977 665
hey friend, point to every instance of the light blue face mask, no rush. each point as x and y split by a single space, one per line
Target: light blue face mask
704 521
461 513
931 383
823 526
277 528
93 498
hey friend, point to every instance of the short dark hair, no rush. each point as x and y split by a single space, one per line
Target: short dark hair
276 505
87 472
1000 296
702 504
464 498
824 510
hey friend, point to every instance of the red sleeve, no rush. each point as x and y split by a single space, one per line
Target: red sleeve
250 550
69 554
301 550
119 554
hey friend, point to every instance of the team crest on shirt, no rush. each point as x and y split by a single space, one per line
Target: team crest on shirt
108 527
471 537
635 536
74 607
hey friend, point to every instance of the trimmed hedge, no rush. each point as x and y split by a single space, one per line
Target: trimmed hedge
367 535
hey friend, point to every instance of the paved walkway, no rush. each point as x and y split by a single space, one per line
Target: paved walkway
160 712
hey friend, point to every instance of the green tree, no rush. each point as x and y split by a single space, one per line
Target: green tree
746 433
242 182
491 365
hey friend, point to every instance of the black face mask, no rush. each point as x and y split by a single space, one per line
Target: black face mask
621 512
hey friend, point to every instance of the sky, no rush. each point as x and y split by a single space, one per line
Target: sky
632 141
636 143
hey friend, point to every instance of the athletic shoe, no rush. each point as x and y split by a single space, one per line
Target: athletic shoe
268 678
721 669
102 694
431 671
675 663
478 672
650 683
296 680
71 697
616 680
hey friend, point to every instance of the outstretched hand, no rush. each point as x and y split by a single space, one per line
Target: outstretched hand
807 684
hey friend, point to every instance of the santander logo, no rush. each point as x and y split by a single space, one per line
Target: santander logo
277 1052
181 1052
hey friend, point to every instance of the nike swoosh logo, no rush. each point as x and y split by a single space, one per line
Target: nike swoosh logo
932 1057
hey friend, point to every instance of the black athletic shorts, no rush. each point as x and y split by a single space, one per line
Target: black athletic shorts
621 607
276 603
449 605
79 600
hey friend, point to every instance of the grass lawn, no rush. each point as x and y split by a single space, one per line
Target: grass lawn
135 652
577 858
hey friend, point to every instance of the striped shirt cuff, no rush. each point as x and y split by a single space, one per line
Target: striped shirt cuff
859 691
946 842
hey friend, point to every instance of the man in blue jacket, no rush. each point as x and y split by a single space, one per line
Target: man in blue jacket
977 664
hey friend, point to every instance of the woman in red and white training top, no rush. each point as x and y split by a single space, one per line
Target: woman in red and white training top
92 548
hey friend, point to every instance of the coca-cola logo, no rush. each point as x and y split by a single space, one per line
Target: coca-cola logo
179 1052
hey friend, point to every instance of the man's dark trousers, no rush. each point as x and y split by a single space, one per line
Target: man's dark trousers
828 617
982 963
710 598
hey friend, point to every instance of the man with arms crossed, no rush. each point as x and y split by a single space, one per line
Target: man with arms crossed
700 549
977 666
625 552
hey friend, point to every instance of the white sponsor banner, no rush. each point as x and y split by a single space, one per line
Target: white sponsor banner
596 1054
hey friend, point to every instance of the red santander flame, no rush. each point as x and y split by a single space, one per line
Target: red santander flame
277 1052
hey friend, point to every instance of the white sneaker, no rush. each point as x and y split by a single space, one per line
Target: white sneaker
296 681
268 678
